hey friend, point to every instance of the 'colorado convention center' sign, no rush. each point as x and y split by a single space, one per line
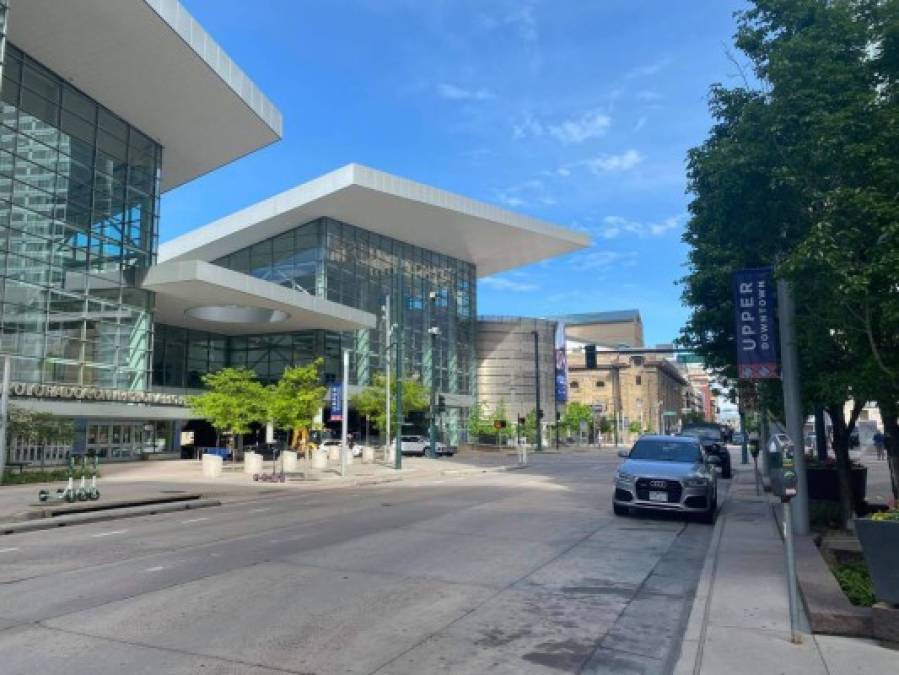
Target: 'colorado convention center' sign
755 310
76 393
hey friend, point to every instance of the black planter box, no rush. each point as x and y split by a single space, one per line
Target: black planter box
824 485
880 545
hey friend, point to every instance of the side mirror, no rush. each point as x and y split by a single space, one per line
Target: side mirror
624 453
714 460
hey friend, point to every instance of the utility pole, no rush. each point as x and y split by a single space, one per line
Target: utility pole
433 331
344 417
538 412
4 413
793 401
388 334
616 395
398 448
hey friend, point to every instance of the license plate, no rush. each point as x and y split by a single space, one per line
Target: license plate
658 496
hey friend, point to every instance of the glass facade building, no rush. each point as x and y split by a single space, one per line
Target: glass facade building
78 220
355 267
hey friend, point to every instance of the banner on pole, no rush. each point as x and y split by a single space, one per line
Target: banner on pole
755 311
335 396
561 378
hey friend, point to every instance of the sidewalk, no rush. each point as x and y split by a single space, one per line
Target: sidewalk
740 617
141 480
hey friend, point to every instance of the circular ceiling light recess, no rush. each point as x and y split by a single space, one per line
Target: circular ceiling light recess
236 314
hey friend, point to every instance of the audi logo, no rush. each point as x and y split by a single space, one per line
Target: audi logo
658 484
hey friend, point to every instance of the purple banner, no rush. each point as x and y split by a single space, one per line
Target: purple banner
755 310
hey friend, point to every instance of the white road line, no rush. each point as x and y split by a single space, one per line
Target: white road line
109 534
155 569
193 520
267 508
9 550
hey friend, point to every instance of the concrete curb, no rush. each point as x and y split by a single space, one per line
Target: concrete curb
690 659
100 516
490 469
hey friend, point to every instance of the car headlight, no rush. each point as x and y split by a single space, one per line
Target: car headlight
696 481
624 477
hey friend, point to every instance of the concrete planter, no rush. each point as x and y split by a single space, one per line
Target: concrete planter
824 485
880 545
319 459
368 455
212 466
289 459
252 463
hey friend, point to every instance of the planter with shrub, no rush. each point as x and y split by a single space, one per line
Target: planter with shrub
879 537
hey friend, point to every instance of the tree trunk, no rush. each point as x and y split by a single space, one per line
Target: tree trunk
889 411
841 432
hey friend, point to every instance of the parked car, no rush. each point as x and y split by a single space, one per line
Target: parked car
709 435
667 473
442 449
413 445
355 448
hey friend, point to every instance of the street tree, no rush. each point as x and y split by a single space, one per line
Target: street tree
295 401
575 414
234 400
371 400
799 172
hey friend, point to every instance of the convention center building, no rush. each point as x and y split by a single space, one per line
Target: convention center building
107 105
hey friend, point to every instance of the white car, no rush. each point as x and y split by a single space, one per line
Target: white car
413 445
355 448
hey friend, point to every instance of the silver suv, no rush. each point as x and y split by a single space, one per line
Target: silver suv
667 473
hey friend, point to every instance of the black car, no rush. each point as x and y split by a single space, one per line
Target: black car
713 443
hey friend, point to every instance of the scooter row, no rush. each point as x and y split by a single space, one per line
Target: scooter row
85 491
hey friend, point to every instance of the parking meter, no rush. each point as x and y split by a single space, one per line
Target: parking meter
784 483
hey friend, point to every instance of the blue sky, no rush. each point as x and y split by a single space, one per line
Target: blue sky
577 112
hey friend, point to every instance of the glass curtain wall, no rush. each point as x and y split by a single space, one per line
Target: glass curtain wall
78 222
359 268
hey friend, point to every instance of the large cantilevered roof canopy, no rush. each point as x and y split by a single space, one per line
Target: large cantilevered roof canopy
490 237
202 296
151 63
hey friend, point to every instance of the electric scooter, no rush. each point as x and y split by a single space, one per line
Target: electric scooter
274 476
62 495
92 492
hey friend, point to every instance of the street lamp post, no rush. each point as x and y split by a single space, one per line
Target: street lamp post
398 448
433 331
388 335
537 411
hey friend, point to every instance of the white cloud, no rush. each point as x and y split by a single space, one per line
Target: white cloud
649 68
529 192
616 226
600 260
640 123
589 125
524 19
453 92
530 126
501 284
614 163
648 95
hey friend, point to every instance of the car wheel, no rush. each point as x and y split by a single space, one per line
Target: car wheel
708 517
620 510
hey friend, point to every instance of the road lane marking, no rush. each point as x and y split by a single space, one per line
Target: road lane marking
9 550
267 508
193 520
155 569
109 534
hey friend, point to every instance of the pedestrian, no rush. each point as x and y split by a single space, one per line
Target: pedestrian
879 443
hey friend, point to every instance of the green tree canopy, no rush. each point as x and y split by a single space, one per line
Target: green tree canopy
575 413
296 399
235 400
371 401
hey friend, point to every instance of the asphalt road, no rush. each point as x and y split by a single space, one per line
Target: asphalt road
520 572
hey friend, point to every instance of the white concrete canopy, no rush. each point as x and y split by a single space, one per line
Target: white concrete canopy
186 285
490 237
152 64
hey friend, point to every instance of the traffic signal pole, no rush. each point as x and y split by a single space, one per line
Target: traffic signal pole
538 411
